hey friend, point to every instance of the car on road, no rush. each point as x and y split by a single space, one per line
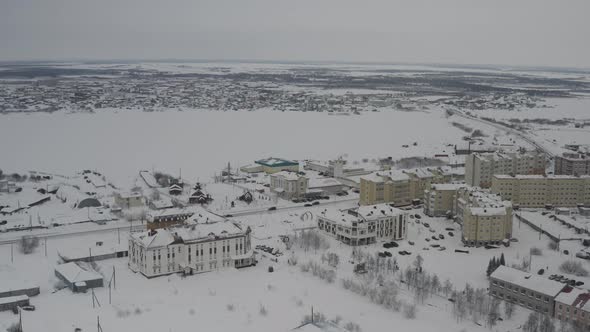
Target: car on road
411 243
3 222
315 203
272 208
308 205
28 308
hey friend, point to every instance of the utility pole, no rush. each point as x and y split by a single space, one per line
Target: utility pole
119 235
12 252
45 247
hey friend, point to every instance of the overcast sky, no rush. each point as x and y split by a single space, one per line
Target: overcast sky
509 32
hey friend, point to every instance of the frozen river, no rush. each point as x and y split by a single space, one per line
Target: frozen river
119 144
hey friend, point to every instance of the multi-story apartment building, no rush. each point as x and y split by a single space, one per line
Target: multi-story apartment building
365 224
440 199
573 305
572 164
399 187
485 217
525 289
190 249
385 187
538 190
481 167
288 185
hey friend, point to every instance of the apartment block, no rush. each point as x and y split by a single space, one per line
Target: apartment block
485 217
192 249
440 199
385 187
538 191
572 164
399 187
365 224
527 290
481 167
573 305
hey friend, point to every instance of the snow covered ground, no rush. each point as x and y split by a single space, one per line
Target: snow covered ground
229 300
201 143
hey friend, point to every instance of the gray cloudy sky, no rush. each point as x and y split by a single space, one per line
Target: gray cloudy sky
517 32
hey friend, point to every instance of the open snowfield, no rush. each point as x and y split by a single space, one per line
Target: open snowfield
120 144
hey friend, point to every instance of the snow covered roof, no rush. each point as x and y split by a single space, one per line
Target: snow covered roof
361 214
419 172
187 234
527 280
536 176
579 298
205 230
289 176
382 176
323 182
154 239
75 273
169 212
447 186
378 211
319 327
276 162
13 299
488 211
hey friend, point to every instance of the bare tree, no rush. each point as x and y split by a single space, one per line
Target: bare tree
28 244
508 309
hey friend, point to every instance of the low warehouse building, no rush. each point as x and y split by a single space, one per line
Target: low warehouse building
77 278
9 291
10 303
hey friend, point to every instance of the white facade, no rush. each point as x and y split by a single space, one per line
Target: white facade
364 225
288 185
192 249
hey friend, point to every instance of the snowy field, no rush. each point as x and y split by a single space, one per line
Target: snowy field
201 143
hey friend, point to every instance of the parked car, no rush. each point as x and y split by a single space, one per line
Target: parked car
3 222
426 224
451 234
418 216
307 205
440 236
394 244
583 255
315 203
411 243
272 208
28 307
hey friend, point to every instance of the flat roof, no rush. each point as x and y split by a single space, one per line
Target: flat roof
75 273
276 162
528 280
